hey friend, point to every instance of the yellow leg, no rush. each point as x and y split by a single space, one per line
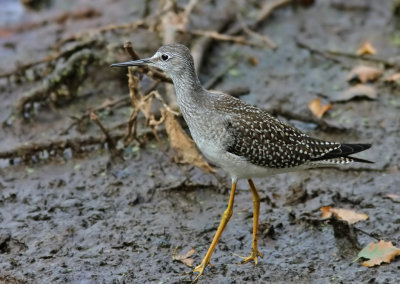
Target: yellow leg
256 212
225 218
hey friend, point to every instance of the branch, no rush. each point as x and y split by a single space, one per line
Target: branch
52 147
109 139
125 26
149 71
267 9
214 80
332 54
66 72
65 53
222 37
323 124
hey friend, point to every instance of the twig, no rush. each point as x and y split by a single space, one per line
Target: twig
47 59
111 105
384 62
75 143
323 124
330 54
129 49
263 38
124 26
136 102
123 102
366 233
212 81
267 9
237 91
201 45
59 19
110 141
223 37
65 72
149 71
187 11
304 45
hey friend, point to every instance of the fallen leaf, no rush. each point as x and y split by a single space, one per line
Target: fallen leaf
393 79
366 48
317 108
394 197
184 258
253 60
5 32
358 91
378 253
364 74
344 214
185 148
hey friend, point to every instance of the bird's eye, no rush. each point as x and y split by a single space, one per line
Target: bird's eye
164 57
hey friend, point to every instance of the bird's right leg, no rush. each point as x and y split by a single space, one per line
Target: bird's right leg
225 218
256 213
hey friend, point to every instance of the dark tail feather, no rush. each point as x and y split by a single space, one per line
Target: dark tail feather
344 151
350 149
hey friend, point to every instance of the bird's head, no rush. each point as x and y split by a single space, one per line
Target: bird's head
173 59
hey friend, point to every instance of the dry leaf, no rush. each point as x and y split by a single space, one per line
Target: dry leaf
5 32
185 148
366 48
184 258
364 74
394 197
358 91
393 79
317 108
253 60
344 214
378 253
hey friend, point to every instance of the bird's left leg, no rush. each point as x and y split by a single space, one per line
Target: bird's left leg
256 212
224 221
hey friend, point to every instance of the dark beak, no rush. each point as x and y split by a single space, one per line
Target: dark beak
139 62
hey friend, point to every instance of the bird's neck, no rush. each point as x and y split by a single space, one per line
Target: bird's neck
189 92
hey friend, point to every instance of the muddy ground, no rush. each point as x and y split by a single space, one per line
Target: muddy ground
86 218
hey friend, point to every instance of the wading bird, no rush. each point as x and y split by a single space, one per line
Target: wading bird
242 139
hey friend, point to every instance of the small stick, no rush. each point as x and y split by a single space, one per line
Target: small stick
330 54
222 37
324 125
129 49
384 62
109 139
126 26
302 44
47 59
213 81
267 9
74 143
149 71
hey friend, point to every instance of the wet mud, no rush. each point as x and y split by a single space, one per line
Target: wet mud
87 218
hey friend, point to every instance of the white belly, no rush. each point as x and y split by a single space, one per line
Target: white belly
237 167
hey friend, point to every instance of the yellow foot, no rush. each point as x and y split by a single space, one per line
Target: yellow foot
200 269
253 256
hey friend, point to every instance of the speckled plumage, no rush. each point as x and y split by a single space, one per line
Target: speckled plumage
243 139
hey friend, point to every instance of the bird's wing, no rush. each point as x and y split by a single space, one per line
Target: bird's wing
266 141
